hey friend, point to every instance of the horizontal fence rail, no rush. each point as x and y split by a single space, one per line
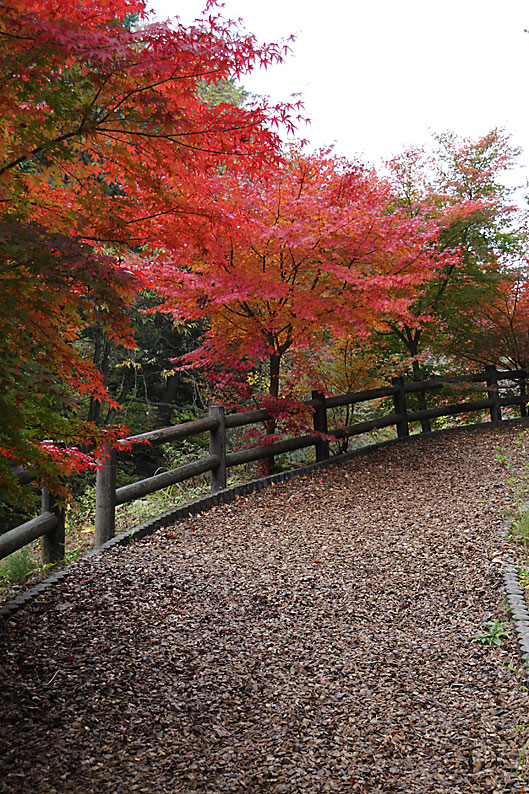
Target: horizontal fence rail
50 524
360 396
174 433
128 493
450 410
25 533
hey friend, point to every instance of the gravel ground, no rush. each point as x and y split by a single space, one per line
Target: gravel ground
316 637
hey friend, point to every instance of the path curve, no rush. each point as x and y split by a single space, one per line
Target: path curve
314 637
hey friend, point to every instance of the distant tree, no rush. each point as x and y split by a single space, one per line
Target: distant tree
460 186
223 92
498 332
141 380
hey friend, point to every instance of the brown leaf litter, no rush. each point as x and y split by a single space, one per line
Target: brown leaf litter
318 636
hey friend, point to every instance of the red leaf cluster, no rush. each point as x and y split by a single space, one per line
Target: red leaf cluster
106 154
311 251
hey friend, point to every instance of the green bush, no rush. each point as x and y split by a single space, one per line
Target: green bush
17 567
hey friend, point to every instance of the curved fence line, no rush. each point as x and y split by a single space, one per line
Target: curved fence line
50 524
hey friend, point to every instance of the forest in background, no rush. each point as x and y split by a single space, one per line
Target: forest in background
161 249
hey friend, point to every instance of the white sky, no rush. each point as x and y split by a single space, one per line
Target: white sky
377 75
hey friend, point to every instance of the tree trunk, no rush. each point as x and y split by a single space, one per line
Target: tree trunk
523 395
273 388
101 360
421 396
275 363
165 407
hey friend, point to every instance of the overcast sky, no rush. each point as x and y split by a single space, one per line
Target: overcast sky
377 75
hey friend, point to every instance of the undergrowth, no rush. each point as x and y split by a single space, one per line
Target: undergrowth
517 465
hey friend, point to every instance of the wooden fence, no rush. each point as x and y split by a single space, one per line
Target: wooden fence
50 524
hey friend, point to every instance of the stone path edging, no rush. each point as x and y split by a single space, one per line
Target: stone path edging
518 608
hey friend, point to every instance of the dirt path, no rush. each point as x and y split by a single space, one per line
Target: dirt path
315 637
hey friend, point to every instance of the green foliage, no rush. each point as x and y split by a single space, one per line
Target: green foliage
523 574
70 556
516 462
143 380
17 567
520 525
497 632
462 182
20 512
155 504
80 513
222 92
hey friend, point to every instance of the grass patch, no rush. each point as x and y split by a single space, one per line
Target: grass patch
497 631
17 567
520 524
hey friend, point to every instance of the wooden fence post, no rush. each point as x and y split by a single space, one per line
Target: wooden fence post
320 425
493 393
105 521
399 402
52 543
523 395
217 446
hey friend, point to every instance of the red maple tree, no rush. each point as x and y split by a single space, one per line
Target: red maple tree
104 139
306 254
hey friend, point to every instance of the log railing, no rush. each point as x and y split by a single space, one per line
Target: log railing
50 524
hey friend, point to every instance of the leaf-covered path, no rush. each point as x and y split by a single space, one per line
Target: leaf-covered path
315 637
